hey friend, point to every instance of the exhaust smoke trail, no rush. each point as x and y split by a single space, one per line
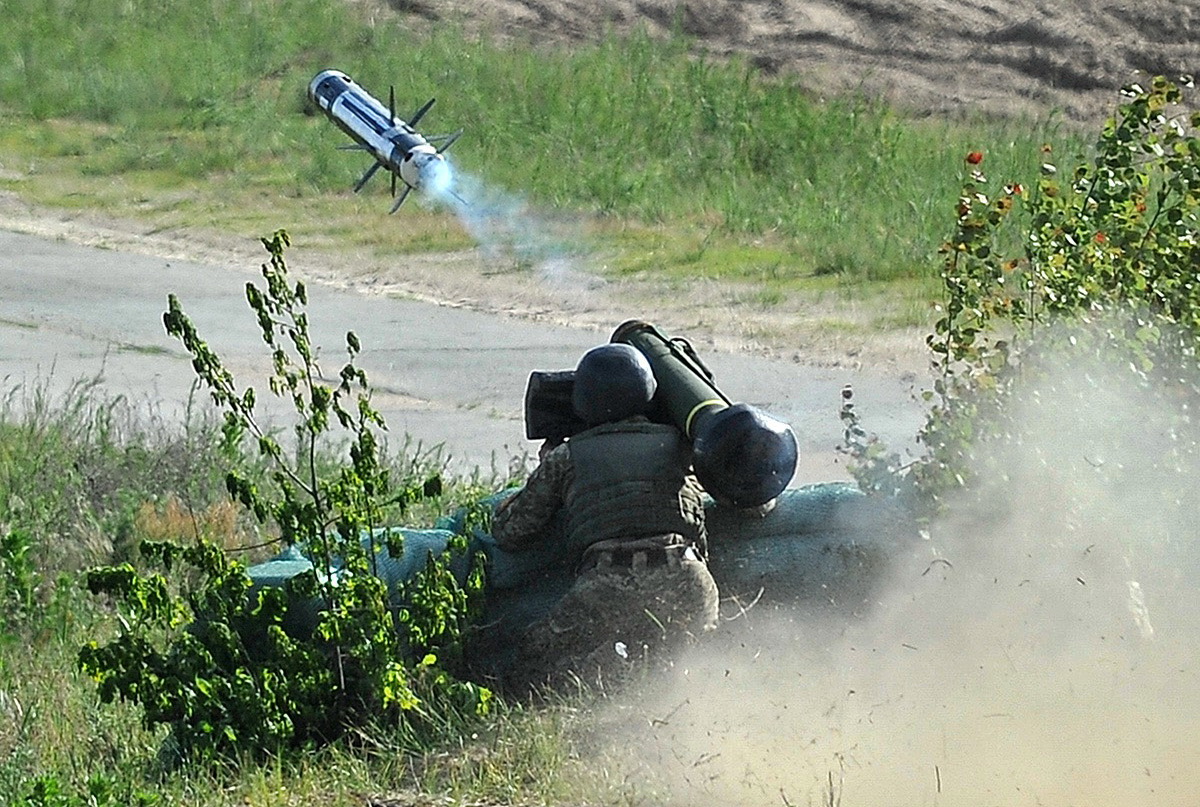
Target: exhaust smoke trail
509 232
438 180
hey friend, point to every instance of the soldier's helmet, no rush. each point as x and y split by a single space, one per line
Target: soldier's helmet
612 382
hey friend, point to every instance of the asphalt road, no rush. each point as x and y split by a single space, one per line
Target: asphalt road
450 379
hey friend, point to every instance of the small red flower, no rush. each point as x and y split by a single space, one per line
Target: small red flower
974 157
1101 238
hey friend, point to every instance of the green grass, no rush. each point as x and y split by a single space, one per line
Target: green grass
194 115
54 729
82 480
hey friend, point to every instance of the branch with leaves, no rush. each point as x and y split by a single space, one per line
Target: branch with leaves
206 653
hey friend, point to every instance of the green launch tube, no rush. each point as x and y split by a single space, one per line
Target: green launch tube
742 456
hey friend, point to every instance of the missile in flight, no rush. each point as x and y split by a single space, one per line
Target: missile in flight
394 143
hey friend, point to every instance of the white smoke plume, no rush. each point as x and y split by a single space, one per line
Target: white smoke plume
1038 647
511 233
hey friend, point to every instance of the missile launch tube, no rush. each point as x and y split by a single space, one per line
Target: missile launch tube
689 396
742 456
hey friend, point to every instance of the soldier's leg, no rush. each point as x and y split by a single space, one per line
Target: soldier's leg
565 643
681 600
615 617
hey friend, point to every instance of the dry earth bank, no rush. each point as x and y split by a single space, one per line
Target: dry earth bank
1001 57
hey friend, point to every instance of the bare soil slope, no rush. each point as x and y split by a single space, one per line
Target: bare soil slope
1001 57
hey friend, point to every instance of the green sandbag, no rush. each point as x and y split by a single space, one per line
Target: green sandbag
512 570
821 544
417 548
825 544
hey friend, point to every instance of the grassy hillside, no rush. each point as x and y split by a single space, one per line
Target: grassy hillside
194 115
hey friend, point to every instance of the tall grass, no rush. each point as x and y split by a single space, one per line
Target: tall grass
632 128
83 478
78 473
76 470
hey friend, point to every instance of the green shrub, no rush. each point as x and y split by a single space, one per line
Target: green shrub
1102 270
46 791
202 652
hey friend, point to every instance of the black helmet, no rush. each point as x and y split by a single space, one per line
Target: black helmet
612 382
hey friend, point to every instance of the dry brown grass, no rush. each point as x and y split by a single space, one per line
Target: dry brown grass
172 520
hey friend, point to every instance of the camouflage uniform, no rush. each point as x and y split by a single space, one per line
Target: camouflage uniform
633 515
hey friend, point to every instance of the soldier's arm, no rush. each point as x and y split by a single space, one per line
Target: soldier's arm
521 520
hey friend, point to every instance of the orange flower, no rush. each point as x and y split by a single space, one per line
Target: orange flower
1101 238
974 157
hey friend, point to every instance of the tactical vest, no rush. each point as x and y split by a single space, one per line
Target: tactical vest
632 480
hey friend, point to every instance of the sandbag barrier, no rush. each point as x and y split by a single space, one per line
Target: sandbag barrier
822 546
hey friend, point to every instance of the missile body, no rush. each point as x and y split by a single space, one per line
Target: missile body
374 128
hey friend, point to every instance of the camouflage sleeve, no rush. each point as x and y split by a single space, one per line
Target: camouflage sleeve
522 520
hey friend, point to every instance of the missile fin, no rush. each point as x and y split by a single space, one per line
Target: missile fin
400 201
446 140
370 173
420 113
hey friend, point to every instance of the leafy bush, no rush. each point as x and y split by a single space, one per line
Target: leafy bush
46 791
1100 265
203 652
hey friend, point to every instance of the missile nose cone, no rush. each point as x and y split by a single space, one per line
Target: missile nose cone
743 456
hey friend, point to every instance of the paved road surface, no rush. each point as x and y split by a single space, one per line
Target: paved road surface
444 376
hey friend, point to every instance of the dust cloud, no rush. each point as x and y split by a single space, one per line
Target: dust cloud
1037 647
